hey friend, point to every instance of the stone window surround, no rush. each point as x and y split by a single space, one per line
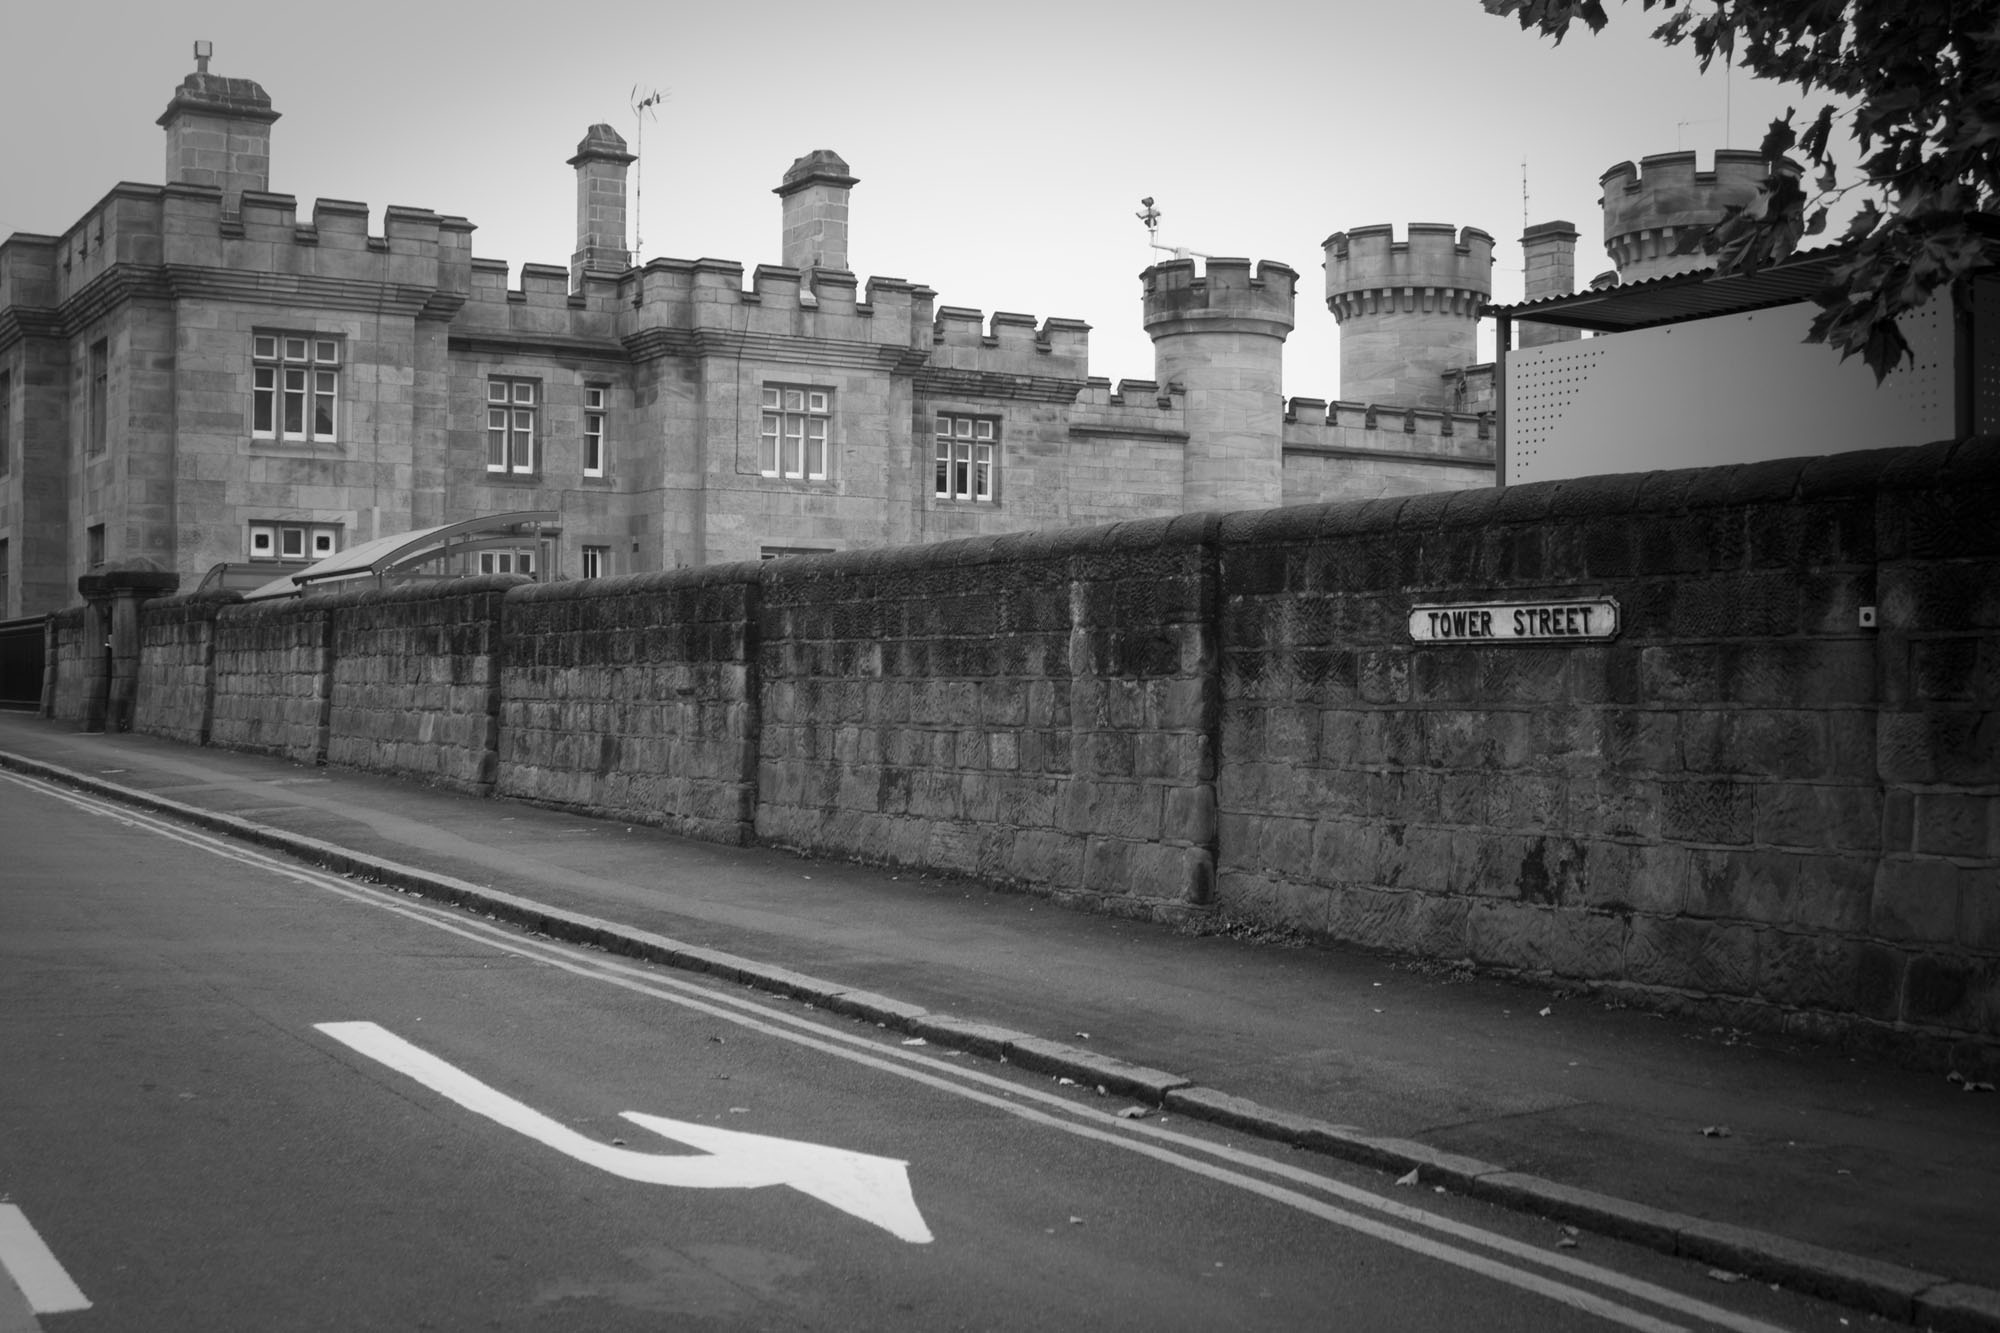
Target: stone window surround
511 415
795 432
295 385
596 399
966 458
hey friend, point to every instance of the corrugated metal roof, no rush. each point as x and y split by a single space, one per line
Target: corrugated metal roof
1681 297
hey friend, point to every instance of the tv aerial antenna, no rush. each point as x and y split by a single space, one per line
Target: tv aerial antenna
1150 216
642 111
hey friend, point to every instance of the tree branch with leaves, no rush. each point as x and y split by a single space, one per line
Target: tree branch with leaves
1917 84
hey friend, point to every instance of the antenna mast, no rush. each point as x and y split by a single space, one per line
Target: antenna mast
642 111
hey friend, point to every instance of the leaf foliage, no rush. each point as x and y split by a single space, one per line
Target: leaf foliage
1917 85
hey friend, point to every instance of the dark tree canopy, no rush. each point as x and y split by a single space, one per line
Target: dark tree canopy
1917 85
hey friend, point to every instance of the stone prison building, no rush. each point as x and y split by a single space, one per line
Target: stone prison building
196 374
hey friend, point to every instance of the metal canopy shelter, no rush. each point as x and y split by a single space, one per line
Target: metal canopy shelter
403 552
1675 299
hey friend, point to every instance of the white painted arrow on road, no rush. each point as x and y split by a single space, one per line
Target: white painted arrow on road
874 1189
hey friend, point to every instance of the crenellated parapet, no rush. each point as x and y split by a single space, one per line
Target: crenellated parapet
1370 429
1436 269
699 307
1408 310
1228 296
1649 208
964 339
1129 410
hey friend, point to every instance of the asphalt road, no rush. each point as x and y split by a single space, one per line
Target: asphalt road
237 1093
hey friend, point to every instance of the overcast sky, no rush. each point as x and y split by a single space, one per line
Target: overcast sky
1002 148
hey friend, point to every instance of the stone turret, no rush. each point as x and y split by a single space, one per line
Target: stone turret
1220 337
600 162
815 191
219 133
1408 310
1646 209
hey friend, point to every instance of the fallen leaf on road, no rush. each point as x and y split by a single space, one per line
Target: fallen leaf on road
1133 1113
1410 1179
1724 1275
1715 1131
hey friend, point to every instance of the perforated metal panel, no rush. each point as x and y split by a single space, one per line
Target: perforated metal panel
1539 394
1731 389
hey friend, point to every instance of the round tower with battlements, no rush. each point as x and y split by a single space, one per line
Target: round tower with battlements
1648 208
1219 337
1408 310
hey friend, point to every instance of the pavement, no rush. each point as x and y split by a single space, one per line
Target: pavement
1866 1183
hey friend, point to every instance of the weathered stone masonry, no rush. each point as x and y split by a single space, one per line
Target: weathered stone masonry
1750 803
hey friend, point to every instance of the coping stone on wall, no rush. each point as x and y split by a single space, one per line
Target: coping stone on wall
1591 497
1257 526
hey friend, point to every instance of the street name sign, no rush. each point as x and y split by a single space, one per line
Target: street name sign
1516 622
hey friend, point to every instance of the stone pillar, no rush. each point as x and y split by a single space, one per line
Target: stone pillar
600 162
1219 338
1548 250
1408 310
112 600
219 133
815 192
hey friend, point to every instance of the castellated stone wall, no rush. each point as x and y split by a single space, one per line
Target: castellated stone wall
1751 804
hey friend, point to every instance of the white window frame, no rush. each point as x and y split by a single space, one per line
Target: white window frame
967 457
276 539
520 560
593 430
513 434
295 386
596 561
794 433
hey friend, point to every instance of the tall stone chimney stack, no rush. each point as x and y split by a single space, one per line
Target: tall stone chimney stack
815 192
600 162
219 133
1549 251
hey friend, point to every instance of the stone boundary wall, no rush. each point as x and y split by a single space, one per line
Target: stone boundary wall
176 689
1058 736
1751 804
1748 804
74 664
416 681
272 683
634 698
